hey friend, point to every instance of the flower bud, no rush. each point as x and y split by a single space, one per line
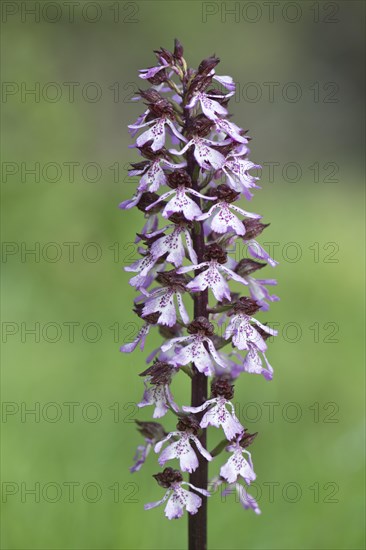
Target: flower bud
171 278
215 252
221 387
246 305
201 324
226 193
253 228
179 177
147 199
160 373
178 49
151 430
165 55
188 423
167 477
247 439
199 126
247 266
208 64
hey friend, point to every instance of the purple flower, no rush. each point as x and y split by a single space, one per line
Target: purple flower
140 119
231 130
173 245
181 203
206 156
159 375
142 267
177 497
257 251
245 499
152 432
243 334
161 397
152 71
196 351
162 300
237 465
140 339
182 450
156 133
211 108
238 177
153 175
258 291
130 203
225 81
224 220
161 355
212 277
141 455
253 363
219 416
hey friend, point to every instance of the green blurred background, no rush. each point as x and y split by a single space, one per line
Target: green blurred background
310 447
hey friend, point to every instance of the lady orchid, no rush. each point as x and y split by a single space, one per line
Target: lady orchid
178 498
187 143
181 448
218 414
213 276
237 465
196 351
159 375
161 300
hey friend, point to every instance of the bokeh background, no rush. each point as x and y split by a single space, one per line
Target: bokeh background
299 69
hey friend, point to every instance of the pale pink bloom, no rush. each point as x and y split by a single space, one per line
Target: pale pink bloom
160 396
231 129
206 156
152 71
219 416
245 499
212 278
253 363
156 133
259 293
257 251
162 300
153 175
210 108
181 202
140 339
141 455
142 267
226 81
130 203
238 176
179 499
243 334
224 220
196 352
173 245
237 465
182 450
